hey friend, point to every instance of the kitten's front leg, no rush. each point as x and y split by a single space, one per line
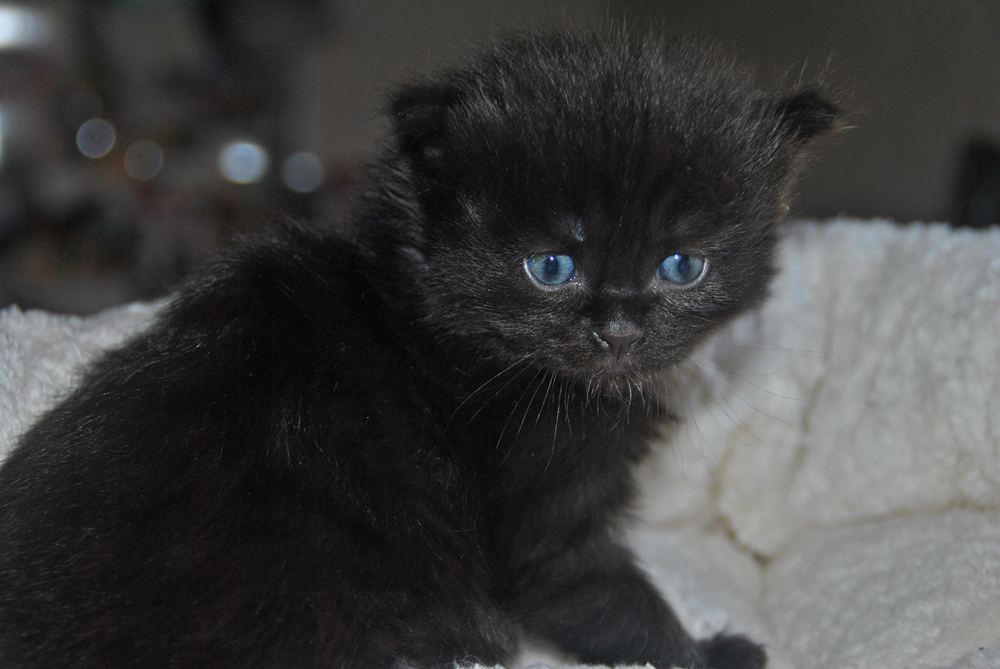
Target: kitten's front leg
594 602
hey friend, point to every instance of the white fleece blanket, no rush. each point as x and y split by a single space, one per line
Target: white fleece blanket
832 485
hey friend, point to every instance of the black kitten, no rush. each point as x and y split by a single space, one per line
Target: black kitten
402 448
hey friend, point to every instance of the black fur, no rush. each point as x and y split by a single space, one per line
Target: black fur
395 448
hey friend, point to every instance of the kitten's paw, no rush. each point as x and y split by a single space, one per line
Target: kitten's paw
733 651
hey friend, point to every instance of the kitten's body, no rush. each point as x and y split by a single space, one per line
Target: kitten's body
400 449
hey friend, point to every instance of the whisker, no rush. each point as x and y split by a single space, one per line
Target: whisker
530 402
506 369
555 427
514 409
711 398
486 383
729 387
545 398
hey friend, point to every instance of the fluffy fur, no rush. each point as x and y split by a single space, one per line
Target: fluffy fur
396 448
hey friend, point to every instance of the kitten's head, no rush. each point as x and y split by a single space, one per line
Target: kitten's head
594 203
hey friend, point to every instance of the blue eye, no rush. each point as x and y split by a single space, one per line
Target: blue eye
681 268
551 270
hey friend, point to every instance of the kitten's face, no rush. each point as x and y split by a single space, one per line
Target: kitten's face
608 288
596 209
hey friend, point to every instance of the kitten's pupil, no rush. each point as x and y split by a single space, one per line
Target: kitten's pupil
681 268
551 269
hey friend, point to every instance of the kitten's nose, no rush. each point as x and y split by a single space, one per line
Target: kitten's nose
619 341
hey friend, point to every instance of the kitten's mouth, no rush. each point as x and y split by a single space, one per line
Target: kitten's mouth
609 362
625 368
616 375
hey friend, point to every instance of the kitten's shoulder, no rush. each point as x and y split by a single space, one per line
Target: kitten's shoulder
288 288
285 273
279 313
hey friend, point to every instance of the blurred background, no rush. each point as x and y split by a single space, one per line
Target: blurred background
136 135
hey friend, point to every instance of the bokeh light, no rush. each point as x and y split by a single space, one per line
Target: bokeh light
143 160
21 27
302 172
243 162
95 138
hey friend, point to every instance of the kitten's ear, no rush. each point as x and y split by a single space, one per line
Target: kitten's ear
806 114
419 114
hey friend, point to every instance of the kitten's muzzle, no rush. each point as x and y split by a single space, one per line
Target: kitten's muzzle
618 341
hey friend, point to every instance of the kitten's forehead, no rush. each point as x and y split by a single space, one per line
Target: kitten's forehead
552 140
632 125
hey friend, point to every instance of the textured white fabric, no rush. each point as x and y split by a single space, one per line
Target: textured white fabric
847 435
40 357
832 483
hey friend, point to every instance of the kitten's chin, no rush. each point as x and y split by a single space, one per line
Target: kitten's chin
624 378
